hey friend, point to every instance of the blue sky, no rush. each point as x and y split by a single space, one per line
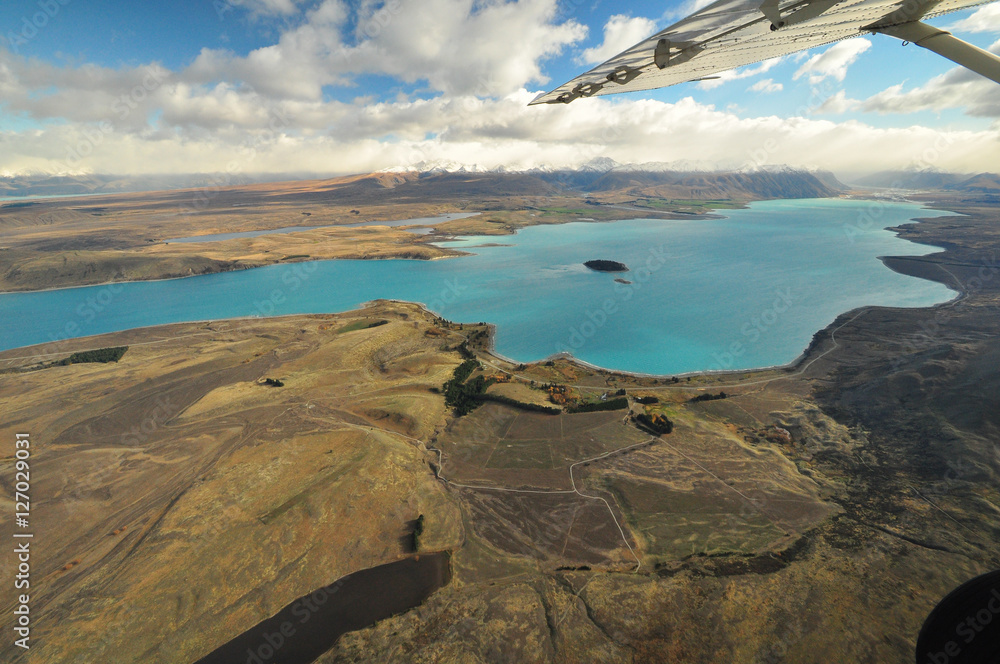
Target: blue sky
356 86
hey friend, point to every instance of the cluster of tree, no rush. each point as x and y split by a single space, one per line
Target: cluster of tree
273 382
656 424
464 350
709 397
418 530
463 395
646 401
102 355
463 371
594 406
538 408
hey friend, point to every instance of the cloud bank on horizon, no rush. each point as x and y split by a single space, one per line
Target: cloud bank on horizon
336 87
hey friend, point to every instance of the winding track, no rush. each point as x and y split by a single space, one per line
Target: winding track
572 479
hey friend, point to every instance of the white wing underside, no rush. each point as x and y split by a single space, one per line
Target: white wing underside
734 33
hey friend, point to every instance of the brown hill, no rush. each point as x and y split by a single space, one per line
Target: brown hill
711 186
984 183
366 188
910 180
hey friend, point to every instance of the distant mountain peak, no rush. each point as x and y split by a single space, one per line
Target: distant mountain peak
599 165
444 166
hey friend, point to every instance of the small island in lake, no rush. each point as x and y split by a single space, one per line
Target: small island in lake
619 280
607 266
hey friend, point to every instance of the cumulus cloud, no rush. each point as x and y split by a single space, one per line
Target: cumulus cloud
266 111
688 7
461 46
984 19
736 74
838 103
299 65
258 8
485 131
766 86
88 93
956 88
833 62
456 46
620 33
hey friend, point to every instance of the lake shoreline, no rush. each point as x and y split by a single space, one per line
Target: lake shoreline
919 267
922 269
419 246
403 252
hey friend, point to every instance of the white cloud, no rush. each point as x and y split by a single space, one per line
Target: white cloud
833 62
259 7
457 46
120 97
330 13
688 7
266 112
985 19
837 104
956 88
620 33
766 86
461 46
347 138
735 74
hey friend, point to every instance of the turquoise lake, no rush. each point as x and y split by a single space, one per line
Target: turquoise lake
746 291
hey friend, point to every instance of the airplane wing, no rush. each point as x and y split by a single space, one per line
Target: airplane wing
733 33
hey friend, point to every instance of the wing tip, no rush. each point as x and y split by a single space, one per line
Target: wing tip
543 98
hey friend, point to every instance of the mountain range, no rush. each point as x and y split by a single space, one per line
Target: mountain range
931 179
600 176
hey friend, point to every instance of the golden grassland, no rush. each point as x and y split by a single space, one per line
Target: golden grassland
180 500
72 242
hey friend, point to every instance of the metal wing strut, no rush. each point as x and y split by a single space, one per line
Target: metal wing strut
945 44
